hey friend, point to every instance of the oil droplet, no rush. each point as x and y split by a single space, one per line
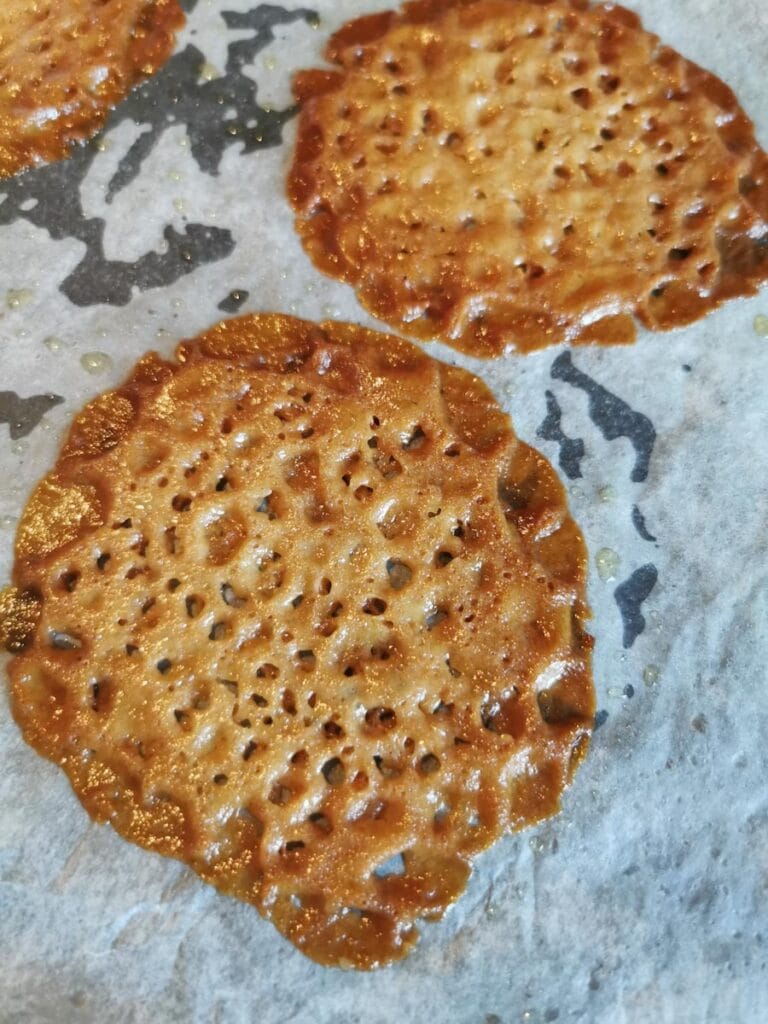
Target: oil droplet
161 332
614 692
607 562
180 205
19 448
209 71
651 675
96 362
52 343
330 311
607 494
103 145
576 492
15 298
760 324
184 142
174 176
177 303
7 522
45 424
270 63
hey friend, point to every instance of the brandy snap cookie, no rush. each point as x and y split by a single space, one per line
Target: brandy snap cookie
65 63
299 604
504 174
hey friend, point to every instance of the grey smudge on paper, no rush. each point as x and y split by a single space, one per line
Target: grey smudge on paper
638 521
630 595
611 414
571 448
23 414
49 197
217 113
601 717
234 300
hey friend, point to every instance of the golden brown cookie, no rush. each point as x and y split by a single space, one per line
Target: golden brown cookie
297 604
65 63
504 174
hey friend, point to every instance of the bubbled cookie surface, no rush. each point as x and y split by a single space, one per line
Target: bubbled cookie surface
504 174
65 63
308 617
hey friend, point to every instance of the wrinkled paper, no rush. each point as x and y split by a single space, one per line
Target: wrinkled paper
645 899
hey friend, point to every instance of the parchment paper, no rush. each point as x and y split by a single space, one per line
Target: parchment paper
645 900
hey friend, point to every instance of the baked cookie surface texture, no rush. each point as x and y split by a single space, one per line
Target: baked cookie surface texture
300 610
65 63
503 174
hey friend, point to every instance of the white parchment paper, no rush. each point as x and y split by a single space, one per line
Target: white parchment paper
645 899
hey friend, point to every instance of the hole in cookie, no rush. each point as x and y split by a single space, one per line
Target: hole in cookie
334 772
306 660
399 573
164 665
435 617
194 605
268 506
333 730
429 764
387 465
230 598
267 671
394 866
280 794
380 719
387 768
68 580
63 641
414 440
321 822
374 606
582 97
609 83
102 560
